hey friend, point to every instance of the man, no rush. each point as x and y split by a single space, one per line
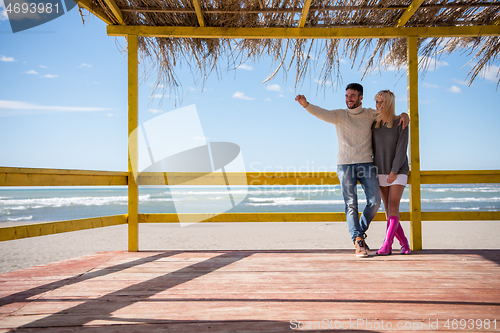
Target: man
355 162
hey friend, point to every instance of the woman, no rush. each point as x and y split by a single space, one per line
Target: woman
390 141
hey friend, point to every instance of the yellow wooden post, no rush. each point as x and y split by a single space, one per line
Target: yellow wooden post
415 203
133 188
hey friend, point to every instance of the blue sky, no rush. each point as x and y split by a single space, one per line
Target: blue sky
63 104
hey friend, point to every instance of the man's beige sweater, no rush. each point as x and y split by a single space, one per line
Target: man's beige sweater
353 131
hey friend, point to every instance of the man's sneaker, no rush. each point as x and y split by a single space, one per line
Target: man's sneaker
361 247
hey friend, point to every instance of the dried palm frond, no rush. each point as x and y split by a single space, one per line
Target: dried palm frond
205 56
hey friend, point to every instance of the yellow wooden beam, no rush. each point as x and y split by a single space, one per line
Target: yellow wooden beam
298 177
10 176
460 216
240 178
305 11
309 217
254 217
96 11
59 177
199 13
312 33
133 110
412 8
460 177
497 21
116 11
415 202
50 228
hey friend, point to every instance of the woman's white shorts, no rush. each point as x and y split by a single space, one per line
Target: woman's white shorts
400 180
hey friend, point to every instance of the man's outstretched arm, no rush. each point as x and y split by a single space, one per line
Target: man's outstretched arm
302 100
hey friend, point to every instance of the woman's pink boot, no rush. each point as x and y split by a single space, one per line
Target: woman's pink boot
389 237
400 235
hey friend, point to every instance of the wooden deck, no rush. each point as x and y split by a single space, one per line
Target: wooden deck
255 291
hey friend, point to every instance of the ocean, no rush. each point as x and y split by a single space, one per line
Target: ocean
58 204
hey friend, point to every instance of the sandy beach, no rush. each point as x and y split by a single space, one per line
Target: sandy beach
22 253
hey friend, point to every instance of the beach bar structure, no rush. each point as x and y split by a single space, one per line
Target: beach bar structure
248 291
400 27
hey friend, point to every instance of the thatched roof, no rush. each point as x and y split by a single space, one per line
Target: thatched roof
298 55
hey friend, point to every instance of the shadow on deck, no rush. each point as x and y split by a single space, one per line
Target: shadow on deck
255 291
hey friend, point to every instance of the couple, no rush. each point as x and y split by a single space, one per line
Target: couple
358 130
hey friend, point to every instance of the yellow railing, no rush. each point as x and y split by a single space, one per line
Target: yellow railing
55 177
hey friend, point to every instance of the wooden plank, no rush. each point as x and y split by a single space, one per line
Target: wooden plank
460 177
414 142
133 122
253 217
259 291
308 217
60 177
50 228
264 178
305 11
408 13
94 10
63 177
115 10
199 13
460 216
303 33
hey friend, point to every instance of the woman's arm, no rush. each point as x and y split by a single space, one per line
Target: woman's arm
401 147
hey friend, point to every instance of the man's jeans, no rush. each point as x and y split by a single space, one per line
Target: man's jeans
366 174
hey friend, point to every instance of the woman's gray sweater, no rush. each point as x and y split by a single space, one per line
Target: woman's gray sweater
389 148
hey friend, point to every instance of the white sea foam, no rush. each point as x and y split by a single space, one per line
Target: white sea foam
20 218
463 189
292 202
223 189
22 204
446 200
156 199
464 208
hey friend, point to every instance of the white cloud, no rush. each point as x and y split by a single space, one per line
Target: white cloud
50 76
274 87
245 67
241 95
85 65
281 95
431 64
32 72
155 111
42 66
13 108
3 12
490 73
462 82
455 90
268 99
342 61
6 59
429 85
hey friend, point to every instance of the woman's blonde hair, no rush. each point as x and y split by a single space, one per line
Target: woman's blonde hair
388 112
